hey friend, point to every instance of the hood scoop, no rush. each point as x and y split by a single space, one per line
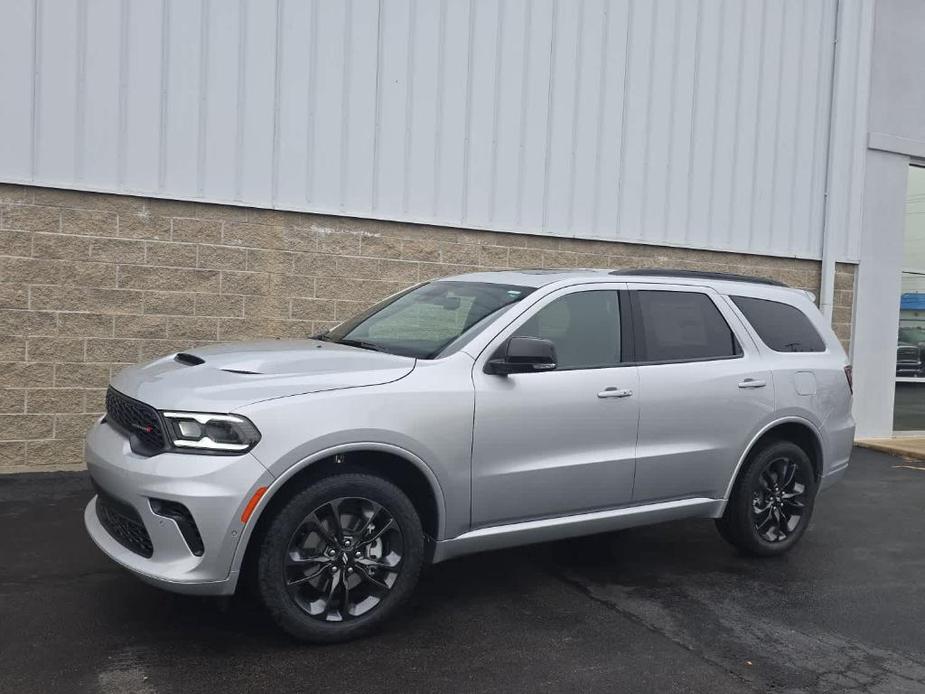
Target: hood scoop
189 359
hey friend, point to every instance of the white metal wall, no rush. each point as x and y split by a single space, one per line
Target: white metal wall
702 123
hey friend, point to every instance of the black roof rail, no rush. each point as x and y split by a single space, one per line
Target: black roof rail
698 274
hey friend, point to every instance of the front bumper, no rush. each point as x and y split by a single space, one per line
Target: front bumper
215 489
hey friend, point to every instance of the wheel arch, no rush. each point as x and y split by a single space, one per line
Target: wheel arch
796 429
397 465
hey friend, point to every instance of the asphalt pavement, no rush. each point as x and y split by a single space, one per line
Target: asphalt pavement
669 608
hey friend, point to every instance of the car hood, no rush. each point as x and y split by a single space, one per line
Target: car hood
220 378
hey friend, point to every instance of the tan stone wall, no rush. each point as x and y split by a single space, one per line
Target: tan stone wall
92 282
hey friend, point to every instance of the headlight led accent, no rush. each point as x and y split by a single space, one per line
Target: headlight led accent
205 432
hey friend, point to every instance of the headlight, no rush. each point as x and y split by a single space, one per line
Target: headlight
203 432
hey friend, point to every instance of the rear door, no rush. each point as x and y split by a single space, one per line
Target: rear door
703 391
809 369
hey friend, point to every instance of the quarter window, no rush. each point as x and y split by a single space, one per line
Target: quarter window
781 327
584 327
682 326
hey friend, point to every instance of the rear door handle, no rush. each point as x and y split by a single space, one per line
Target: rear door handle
752 383
613 392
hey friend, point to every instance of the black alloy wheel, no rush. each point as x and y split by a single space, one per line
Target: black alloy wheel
340 557
343 559
772 500
778 501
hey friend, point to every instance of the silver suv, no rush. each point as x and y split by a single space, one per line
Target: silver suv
467 414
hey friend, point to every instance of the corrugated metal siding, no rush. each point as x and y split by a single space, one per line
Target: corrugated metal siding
848 134
697 123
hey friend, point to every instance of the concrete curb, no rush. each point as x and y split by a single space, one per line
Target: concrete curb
912 448
19 469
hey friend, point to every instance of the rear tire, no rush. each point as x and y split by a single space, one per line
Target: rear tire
771 502
339 558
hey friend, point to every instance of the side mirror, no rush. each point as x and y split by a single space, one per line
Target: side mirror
523 355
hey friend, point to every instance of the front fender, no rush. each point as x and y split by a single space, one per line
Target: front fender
280 481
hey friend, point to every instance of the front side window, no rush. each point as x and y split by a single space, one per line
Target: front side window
583 326
781 327
682 326
423 321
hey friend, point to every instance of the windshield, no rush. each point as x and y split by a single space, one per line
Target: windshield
424 320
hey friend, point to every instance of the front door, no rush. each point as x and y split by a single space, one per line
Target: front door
557 442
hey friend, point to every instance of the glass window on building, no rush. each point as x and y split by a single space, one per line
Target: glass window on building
909 408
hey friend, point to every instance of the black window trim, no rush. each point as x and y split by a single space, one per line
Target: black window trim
630 331
637 322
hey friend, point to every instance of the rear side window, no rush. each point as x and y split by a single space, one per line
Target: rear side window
682 326
781 327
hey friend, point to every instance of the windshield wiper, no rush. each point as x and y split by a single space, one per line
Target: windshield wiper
361 344
324 337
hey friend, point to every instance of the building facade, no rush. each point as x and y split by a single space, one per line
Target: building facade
175 173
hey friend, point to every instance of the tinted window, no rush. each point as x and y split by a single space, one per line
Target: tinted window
584 327
783 328
681 326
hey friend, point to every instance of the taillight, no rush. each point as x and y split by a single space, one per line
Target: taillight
848 375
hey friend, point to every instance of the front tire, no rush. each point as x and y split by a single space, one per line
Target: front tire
771 502
339 558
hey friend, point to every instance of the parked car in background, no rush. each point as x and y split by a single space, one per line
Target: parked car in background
908 360
471 413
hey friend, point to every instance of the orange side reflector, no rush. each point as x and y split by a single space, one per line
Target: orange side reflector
252 504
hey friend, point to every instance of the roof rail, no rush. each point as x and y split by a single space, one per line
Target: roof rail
697 274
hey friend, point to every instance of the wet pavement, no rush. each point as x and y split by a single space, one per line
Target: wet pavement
666 608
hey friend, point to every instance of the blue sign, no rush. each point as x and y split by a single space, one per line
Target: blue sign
912 301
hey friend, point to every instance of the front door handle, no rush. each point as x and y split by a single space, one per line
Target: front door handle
613 392
752 383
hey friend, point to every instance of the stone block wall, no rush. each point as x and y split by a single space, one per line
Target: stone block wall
90 283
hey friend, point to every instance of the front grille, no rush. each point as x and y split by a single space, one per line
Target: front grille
124 524
138 421
907 353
